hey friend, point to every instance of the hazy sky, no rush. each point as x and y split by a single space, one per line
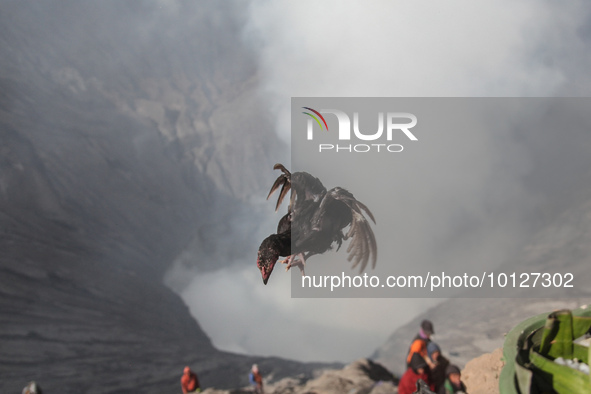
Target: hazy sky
404 48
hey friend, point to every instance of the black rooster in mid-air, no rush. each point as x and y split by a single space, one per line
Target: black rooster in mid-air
314 221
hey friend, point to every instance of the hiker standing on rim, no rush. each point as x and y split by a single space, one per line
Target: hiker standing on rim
420 342
189 382
256 380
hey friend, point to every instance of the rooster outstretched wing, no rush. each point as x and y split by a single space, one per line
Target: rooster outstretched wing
339 209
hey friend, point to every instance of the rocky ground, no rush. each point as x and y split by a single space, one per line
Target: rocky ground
360 377
481 376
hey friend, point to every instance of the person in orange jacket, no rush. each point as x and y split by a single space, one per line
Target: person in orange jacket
189 382
420 343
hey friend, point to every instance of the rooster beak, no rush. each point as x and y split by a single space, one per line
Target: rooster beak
264 275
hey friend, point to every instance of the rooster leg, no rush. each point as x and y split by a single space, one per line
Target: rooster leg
297 260
287 260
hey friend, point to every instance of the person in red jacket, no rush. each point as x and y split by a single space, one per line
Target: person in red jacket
189 382
417 370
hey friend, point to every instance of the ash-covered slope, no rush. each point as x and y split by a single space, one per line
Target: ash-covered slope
126 130
467 328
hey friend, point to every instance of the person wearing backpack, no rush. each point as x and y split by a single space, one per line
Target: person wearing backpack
256 380
420 343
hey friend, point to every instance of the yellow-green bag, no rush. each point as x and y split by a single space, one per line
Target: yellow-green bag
531 348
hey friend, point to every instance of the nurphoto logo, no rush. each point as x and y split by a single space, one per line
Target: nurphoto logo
397 123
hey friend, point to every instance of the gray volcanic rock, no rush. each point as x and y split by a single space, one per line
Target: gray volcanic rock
360 377
126 132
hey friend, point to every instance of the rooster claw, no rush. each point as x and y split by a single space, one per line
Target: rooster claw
295 260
